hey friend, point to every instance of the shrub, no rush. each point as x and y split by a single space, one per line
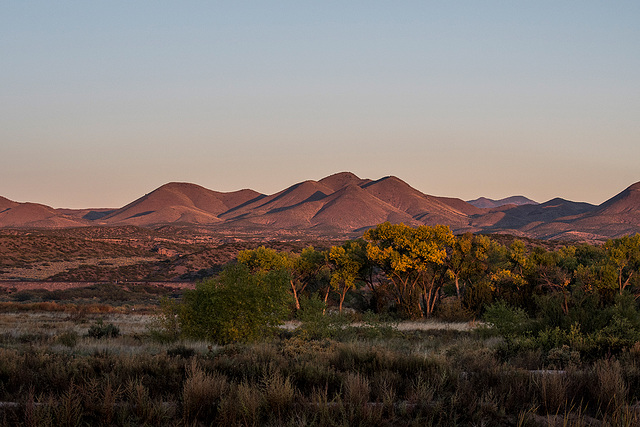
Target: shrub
507 320
237 306
316 323
166 325
452 310
100 330
181 351
68 338
202 392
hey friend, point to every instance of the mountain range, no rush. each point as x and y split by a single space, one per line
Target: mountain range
343 205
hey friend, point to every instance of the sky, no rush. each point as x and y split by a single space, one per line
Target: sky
104 101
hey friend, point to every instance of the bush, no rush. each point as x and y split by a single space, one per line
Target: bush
507 320
68 338
181 351
237 306
316 323
165 327
100 330
452 310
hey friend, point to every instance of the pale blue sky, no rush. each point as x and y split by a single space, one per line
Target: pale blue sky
103 101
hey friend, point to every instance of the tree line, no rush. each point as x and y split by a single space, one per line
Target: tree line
419 272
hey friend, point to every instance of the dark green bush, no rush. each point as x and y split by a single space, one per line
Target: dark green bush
507 320
236 306
100 330
68 338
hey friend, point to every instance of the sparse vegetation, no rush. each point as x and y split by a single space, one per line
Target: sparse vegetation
412 377
551 336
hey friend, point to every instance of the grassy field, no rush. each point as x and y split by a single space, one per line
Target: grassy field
72 368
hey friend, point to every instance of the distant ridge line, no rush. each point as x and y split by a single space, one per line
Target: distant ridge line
342 205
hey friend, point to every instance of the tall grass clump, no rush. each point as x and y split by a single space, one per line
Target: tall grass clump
202 393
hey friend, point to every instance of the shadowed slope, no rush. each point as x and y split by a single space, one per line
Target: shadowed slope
528 216
179 202
351 208
425 209
302 196
485 203
618 216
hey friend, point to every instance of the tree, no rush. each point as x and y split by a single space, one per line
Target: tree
236 306
623 255
510 277
345 267
309 271
553 271
411 259
466 253
302 269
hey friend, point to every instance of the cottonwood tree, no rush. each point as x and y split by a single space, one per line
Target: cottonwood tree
303 269
412 259
345 266
467 252
553 272
511 276
623 255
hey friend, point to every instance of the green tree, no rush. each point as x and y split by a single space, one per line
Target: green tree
303 269
236 306
309 273
623 255
510 276
553 272
467 253
345 267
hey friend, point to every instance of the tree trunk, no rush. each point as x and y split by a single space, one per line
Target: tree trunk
295 295
433 302
342 296
326 298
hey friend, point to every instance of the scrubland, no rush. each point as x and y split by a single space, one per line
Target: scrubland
542 336
116 367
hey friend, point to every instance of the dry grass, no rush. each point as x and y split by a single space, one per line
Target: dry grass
425 325
52 323
430 325
424 377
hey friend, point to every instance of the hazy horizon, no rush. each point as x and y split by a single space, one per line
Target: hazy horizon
103 102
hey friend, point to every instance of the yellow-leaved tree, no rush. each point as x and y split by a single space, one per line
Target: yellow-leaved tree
414 261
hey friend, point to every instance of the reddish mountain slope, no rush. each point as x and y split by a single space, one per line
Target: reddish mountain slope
616 217
341 204
425 209
179 202
36 216
7 204
353 208
341 180
304 193
624 206
460 205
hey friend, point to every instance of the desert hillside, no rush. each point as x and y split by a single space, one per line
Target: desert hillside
342 205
